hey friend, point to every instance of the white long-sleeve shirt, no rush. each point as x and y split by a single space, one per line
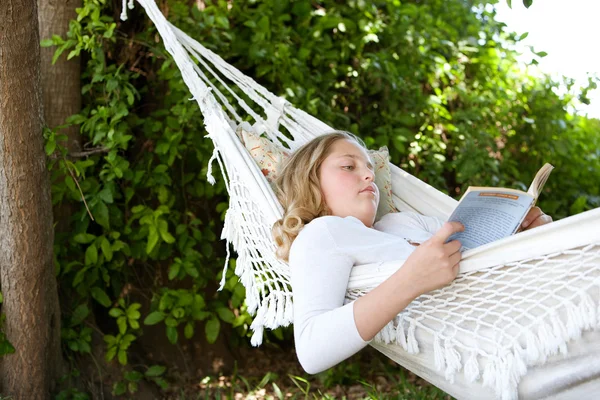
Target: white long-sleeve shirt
320 260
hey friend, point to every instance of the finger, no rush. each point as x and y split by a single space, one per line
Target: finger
532 215
447 230
456 269
455 258
539 221
453 246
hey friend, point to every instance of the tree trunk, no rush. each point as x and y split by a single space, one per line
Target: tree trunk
61 94
61 81
26 234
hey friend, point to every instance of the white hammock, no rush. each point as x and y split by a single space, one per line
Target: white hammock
496 331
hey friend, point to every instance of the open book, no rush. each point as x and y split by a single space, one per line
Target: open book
490 214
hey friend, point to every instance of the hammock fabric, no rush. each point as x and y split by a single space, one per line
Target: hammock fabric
520 321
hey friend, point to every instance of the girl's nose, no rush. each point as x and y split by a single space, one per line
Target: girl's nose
369 175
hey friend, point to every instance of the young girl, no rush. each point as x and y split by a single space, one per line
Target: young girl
330 201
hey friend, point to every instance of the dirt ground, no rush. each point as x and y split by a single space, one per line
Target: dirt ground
272 372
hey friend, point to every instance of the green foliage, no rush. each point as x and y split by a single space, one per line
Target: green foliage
131 380
5 346
142 206
437 82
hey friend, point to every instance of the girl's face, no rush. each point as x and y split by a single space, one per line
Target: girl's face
347 182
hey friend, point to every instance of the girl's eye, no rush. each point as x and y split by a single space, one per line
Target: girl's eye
349 167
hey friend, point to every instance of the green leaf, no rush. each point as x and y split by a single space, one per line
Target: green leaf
84 238
122 324
91 255
46 43
58 52
101 214
119 388
174 271
110 353
122 356
178 312
133 376
79 276
138 209
155 370
212 328
6 347
79 314
106 195
50 147
189 330
172 334
100 296
226 314
152 239
154 318
115 312
106 249
527 3
163 228
72 54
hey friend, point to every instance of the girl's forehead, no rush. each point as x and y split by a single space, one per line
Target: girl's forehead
345 147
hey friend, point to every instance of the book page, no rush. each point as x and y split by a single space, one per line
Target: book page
489 215
540 180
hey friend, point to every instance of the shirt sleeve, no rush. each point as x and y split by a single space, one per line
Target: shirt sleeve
325 332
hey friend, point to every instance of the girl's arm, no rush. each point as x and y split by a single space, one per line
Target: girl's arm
326 331
432 265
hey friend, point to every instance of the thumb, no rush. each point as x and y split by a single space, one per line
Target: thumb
447 230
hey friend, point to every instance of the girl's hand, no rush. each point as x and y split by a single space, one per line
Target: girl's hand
535 217
434 264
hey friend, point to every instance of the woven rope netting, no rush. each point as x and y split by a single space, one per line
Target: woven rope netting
516 301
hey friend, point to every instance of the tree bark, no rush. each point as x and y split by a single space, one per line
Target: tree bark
26 233
61 94
61 81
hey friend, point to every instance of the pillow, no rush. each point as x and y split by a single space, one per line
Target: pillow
383 180
265 153
270 157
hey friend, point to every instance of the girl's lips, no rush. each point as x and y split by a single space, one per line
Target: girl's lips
369 188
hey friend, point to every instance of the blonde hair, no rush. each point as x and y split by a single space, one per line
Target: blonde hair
299 189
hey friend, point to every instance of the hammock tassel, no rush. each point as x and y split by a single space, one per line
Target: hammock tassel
561 333
453 360
386 334
280 305
289 310
589 312
438 353
489 374
124 10
209 176
413 346
271 316
257 336
400 335
472 368
258 326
